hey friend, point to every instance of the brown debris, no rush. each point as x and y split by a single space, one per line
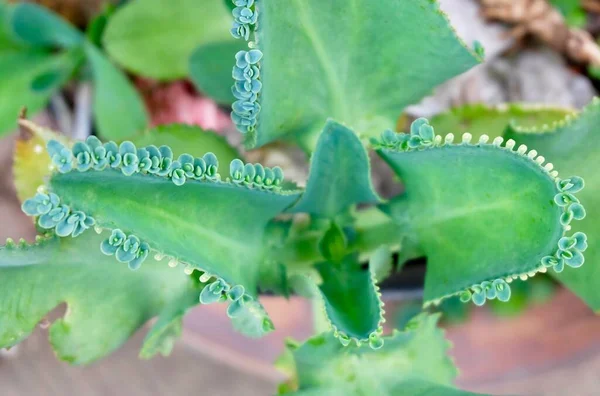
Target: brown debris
78 12
538 19
591 6
24 131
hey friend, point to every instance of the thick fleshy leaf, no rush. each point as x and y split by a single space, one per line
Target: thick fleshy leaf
411 362
119 111
480 119
210 69
38 26
573 144
340 174
190 139
19 69
352 301
155 38
106 301
360 67
213 226
481 212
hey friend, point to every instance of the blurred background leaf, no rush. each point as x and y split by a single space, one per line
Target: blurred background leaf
37 26
155 38
118 108
210 69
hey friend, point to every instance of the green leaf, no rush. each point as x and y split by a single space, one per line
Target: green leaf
107 303
96 26
188 139
178 207
480 119
412 362
119 111
381 263
19 70
484 214
352 301
361 66
155 38
574 144
210 69
340 174
215 227
55 77
334 243
37 26
8 41
167 329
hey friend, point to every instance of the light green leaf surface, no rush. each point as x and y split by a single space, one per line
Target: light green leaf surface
8 41
481 212
189 139
155 38
19 69
352 301
411 362
359 62
340 174
119 111
480 119
210 69
215 227
38 26
106 301
573 145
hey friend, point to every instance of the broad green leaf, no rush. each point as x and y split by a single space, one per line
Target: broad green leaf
411 362
480 119
573 144
484 214
188 139
358 62
216 227
19 69
106 301
38 26
352 301
7 38
210 69
155 38
119 111
178 207
340 174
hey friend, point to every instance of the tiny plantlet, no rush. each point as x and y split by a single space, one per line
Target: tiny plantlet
140 227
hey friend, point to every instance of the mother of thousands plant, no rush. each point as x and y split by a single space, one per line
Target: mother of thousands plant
331 76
